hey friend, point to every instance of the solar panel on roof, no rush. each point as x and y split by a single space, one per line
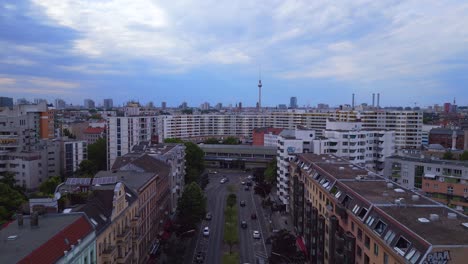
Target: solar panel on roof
105 180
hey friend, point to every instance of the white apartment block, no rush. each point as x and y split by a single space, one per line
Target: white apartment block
366 147
406 124
290 142
123 133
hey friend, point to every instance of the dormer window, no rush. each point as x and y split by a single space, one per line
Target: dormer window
402 246
362 213
356 209
370 220
380 227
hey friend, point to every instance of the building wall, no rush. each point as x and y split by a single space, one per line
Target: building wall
120 241
73 153
83 253
446 140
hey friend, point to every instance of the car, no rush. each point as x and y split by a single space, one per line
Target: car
244 224
250 177
200 257
253 216
208 216
206 231
246 188
243 182
242 203
256 234
223 180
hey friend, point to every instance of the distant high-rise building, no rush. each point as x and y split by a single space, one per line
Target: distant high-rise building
184 105
6 102
219 106
163 105
282 106
39 100
205 106
293 102
89 104
322 106
21 101
108 103
59 104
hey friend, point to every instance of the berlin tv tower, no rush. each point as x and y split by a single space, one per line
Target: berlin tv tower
259 89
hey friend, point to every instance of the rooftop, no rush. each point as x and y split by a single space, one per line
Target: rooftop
239 149
46 243
133 179
431 161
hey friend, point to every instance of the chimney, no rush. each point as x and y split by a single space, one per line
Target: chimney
378 100
352 105
20 220
454 140
34 220
373 100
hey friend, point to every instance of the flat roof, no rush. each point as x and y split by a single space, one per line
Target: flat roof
431 161
240 149
442 232
377 192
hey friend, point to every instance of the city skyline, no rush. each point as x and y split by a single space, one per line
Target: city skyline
154 51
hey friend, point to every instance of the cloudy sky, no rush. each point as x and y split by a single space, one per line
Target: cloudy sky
411 52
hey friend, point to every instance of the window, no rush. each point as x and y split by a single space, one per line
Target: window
367 241
370 220
450 189
359 251
380 227
359 233
366 259
362 213
376 249
352 226
402 246
385 258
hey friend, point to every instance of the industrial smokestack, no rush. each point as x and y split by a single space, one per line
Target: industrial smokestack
454 140
378 100
352 105
373 100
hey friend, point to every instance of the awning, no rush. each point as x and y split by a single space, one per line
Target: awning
301 245
428 175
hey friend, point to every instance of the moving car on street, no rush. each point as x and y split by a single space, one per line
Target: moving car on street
208 216
244 224
206 231
253 216
200 257
242 203
256 234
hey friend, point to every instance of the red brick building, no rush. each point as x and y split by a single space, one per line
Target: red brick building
443 136
259 133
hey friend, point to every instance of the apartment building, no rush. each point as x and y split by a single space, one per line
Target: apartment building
149 178
366 147
72 152
290 142
443 180
345 214
265 136
93 134
171 154
123 133
112 208
406 124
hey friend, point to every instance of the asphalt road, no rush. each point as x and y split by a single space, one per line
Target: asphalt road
249 248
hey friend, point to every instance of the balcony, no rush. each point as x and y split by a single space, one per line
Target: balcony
125 259
124 235
109 253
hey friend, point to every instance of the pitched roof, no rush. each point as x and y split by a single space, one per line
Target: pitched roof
46 243
144 162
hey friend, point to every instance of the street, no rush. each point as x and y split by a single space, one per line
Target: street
216 193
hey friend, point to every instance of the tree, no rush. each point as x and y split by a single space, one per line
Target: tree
464 155
10 201
270 173
86 168
231 200
194 160
48 186
187 111
231 236
175 252
97 153
191 207
283 247
448 155
8 178
231 141
68 134
173 140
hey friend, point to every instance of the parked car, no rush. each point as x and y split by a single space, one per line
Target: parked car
244 224
208 216
243 182
253 216
256 234
200 257
242 203
206 231
250 177
223 180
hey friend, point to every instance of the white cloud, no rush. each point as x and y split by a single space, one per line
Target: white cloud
357 40
25 84
7 81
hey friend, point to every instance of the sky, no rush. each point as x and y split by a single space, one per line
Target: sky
414 53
